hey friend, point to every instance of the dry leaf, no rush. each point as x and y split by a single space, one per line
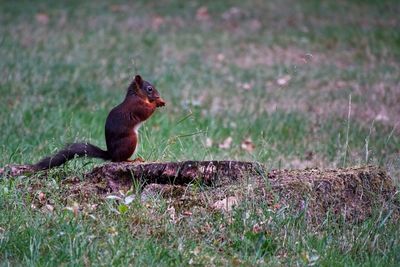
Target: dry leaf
42 197
220 57
91 207
306 58
382 116
42 18
172 214
248 145
232 13
15 170
341 84
206 227
225 204
202 14
157 22
49 207
74 209
247 86
129 199
276 206
261 226
114 197
226 144
187 213
196 251
257 228
209 142
284 80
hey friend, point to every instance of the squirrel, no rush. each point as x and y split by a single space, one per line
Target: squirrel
121 129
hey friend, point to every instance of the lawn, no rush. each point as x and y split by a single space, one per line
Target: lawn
291 84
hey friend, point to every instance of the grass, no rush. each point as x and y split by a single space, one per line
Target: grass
64 65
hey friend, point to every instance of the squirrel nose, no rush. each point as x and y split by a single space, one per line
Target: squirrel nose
160 102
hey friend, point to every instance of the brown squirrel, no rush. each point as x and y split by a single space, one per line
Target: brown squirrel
121 128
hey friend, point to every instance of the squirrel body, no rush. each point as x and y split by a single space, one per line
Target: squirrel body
121 128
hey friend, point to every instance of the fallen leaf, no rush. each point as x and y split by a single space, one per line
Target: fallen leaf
284 80
382 117
257 228
206 227
196 251
128 200
226 144
220 57
310 257
232 13
42 197
91 207
49 207
113 197
306 57
247 86
15 170
248 145
172 214
276 206
202 14
74 209
209 142
157 22
225 204
187 213
42 18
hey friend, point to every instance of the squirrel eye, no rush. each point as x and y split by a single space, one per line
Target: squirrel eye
149 89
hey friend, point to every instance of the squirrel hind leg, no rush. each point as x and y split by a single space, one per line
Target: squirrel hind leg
122 156
122 149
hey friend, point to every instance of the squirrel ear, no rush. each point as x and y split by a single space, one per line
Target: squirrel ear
139 80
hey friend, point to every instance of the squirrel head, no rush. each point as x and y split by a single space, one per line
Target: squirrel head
147 91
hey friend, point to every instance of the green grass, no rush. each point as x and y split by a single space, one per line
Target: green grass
60 78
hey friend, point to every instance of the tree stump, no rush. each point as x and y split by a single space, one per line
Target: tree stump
350 193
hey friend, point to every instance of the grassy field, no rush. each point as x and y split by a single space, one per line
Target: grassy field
306 83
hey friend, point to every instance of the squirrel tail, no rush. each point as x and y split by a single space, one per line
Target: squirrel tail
69 152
